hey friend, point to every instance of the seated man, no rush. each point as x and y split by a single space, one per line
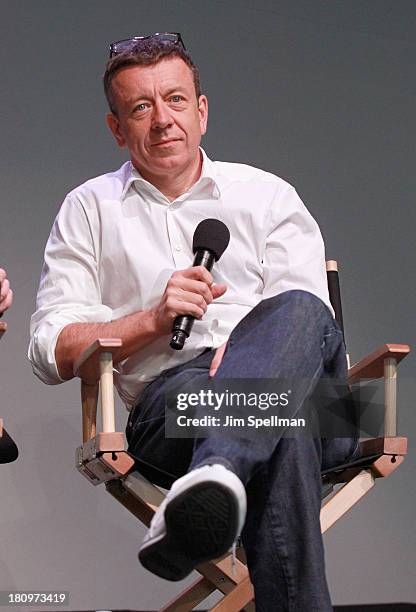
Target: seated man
118 263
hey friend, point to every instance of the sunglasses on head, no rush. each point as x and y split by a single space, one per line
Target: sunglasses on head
173 38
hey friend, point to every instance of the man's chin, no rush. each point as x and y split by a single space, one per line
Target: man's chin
171 159
165 161
166 155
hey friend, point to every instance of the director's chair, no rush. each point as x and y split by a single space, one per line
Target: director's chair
102 458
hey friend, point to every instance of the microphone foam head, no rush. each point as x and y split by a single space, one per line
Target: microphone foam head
213 235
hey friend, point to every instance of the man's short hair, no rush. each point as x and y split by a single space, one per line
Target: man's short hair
146 53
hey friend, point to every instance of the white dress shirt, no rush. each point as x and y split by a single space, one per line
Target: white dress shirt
117 240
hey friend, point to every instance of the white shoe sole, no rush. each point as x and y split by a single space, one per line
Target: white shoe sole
201 522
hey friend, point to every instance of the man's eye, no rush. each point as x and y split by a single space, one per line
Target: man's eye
176 98
140 107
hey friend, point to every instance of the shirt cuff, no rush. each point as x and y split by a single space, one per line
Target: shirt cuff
41 352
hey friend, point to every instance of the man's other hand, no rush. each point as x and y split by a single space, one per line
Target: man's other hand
6 294
188 292
216 362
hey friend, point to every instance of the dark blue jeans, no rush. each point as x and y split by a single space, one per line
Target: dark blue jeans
294 337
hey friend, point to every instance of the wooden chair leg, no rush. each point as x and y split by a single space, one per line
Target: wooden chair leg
237 599
221 570
216 575
346 498
227 578
191 596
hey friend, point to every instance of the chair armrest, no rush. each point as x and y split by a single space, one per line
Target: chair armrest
383 446
102 456
97 358
372 366
90 358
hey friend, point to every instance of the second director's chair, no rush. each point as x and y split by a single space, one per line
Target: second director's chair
102 458
8 448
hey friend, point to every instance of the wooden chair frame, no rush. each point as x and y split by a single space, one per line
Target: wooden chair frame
103 458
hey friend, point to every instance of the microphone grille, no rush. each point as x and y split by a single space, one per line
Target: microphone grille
213 235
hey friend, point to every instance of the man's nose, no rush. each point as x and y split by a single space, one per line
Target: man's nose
161 117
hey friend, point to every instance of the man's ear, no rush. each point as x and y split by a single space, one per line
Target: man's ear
114 125
203 113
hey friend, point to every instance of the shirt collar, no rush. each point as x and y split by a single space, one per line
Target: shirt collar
207 185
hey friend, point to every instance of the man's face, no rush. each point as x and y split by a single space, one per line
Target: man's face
158 117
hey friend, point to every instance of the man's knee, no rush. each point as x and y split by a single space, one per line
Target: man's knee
295 309
300 303
298 297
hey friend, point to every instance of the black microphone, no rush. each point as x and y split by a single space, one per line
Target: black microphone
211 238
8 449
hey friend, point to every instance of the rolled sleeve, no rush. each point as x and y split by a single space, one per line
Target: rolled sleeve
69 289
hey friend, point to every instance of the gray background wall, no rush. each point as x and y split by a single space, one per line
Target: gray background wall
321 93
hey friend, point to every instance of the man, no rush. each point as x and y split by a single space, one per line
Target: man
118 263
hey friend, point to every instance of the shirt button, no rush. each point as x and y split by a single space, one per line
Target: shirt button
178 247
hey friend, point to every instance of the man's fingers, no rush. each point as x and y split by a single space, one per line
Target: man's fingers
193 286
197 279
197 273
190 297
218 290
188 292
216 362
175 307
2 275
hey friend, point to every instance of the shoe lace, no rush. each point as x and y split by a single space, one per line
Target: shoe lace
233 557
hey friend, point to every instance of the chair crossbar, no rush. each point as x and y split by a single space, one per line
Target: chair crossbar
345 498
190 597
